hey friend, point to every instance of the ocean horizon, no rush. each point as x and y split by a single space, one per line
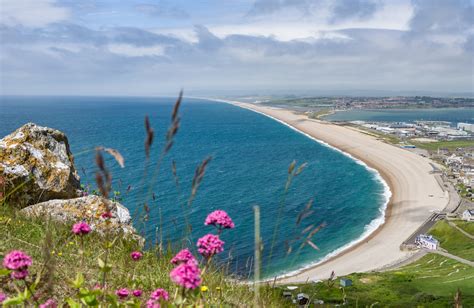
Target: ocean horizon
250 157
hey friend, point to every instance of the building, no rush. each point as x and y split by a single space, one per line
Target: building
426 241
345 282
466 127
302 299
468 215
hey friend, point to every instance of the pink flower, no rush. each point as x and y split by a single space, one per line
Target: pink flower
98 286
136 255
137 293
19 274
187 275
50 303
183 256
209 245
18 262
81 228
152 304
122 293
160 294
106 215
219 219
2 297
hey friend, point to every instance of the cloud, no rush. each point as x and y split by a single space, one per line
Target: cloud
162 9
338 10
32 13
353 9
440 16
261 7
65 57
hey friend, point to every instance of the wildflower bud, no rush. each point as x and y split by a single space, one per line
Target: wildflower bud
136 255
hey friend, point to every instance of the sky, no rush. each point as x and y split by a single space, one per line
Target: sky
236 47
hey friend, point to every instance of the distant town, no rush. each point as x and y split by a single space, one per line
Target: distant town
348 102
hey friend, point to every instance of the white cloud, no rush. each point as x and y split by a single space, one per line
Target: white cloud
134 51
31 13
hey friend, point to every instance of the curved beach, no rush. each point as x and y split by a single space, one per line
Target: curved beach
415 195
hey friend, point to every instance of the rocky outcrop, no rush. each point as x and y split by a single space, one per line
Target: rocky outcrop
38 174
36 165
89 208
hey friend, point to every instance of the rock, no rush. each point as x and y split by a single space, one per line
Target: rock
36 163
88 208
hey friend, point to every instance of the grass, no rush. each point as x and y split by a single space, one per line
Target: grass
450 145
453 241
151 272
431 281
392 139
466 226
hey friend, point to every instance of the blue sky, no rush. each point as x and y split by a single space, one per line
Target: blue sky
243 47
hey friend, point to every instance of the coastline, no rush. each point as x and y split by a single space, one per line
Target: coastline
409 194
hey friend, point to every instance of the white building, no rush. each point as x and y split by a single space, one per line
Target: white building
426 241
466 127
454 160
468 215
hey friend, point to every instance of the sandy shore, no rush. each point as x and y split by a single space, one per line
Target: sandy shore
415 194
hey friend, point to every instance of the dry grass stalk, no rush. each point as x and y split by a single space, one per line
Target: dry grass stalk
257 253
115 154
198 176
175 123
291 174
149 137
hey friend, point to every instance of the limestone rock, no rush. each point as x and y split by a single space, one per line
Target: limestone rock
88 208
37 164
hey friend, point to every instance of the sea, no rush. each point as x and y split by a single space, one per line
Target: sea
250 155
452 115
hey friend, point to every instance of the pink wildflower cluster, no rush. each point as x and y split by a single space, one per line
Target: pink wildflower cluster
137 293
122 293
209 245
187 275
184 256
155 297
3 297
50 303
136 255
18 262
219 219
81 228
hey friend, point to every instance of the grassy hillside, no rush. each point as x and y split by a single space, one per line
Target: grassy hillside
453 241
432 281
450 145
466 226
56 255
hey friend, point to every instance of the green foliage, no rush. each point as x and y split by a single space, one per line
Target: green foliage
466 226
75 284
450 145
431 281
453 241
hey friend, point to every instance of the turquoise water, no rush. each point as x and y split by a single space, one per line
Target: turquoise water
251 154
453 115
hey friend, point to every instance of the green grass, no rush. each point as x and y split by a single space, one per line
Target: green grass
450 145
466 226
22 233
392 139
431 281
453 241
